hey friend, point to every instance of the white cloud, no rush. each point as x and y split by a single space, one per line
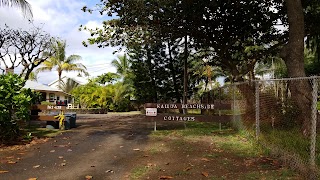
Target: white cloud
62 18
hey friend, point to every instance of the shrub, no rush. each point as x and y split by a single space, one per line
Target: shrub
15 105
289 113
47 103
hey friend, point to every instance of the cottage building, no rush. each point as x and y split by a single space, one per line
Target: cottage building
49 94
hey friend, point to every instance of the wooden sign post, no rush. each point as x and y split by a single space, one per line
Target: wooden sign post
153 113
49 117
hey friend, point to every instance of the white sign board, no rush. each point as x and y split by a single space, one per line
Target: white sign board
53 107
151 111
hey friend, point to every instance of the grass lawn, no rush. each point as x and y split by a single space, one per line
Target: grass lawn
202 150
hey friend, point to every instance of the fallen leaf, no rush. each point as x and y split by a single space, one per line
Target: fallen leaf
88 177
136 149
2 172
166 177
12 162
69 150
10 157
60 157
205 174
187 169
36 166
63 164
53 151
109 171
32 179
205 159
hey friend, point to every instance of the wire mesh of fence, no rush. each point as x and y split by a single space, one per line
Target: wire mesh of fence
282 115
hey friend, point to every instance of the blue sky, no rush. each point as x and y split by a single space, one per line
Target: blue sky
62 18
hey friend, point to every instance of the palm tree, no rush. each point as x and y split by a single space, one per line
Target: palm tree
276 68
23 5
203 73
61 63
122 65
68 86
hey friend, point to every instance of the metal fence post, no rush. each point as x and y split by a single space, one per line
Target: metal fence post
234 103
257 109
313 122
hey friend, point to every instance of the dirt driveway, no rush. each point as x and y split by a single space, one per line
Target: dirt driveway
118 147
102 146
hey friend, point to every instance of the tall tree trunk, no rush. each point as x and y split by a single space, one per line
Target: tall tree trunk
293 54
152 76
174 76
185 73
59 81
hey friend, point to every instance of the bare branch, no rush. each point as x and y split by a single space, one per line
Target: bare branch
26 48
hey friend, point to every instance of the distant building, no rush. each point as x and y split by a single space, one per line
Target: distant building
49 94
79 80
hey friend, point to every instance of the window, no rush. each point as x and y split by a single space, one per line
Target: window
58 98
43 96
51 97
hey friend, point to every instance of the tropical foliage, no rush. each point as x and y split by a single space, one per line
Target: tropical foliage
111 91
68 86
23 5
114 97
167 42
122 64
84 95
107 78
162 39
15 105
60 62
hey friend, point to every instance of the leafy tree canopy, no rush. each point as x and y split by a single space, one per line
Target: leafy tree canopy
234 34
107 78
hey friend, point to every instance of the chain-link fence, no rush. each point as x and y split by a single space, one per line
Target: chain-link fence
282 115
